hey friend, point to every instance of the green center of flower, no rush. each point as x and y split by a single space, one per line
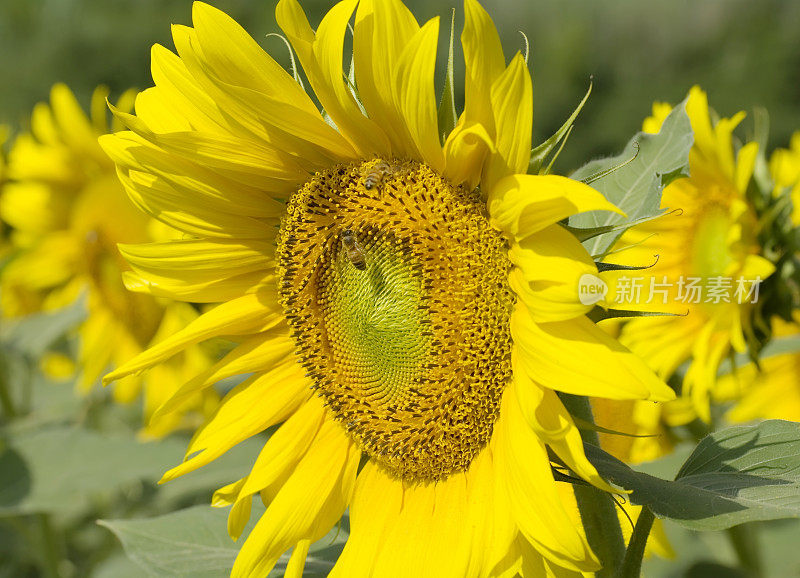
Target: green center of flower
395 287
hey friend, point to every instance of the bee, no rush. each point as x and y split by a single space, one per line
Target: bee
374 178
353 249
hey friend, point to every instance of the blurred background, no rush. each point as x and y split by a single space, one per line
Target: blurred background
743 53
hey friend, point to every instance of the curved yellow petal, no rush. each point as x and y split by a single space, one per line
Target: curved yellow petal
278 393
547 416
248 314
484 63
258 353
321 55
539 514
416 96
465 151
520 205
383 28
567 355
512 106
313 498
550 266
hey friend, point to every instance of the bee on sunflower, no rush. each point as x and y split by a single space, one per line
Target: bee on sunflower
67 211
409 336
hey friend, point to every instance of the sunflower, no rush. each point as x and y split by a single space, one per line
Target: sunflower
67 212
771 390
404 299
784 165
709 258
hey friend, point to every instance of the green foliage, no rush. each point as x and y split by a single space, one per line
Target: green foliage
194 543
736 475
635 187
67 460
35 334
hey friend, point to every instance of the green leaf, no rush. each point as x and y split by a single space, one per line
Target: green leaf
194 543
737 475
636 187
34 334
62 468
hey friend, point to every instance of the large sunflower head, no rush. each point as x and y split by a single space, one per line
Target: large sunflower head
403 296
67 212
709 258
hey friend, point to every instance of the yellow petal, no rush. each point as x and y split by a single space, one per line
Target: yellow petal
307 506
547 416
484 63
521 205
248 314
577 357
276 393
465 150
377 501
286 447
416 95
321 56
745 164
258 353
383 28
512 106
297 562
196 260
550 266
535 502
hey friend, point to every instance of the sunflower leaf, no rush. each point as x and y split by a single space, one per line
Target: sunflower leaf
736 475
635 187
194 542
63 468
34 334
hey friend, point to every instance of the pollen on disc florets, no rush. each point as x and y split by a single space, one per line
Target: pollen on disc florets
395 287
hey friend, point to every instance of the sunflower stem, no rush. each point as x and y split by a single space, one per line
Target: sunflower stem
50 554
597 509
5 395
744 539
632 563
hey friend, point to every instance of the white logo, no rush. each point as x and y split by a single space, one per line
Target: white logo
591 289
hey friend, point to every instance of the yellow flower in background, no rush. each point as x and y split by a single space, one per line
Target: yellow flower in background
704 249
5 246
769 392
784 166
67 212
406 308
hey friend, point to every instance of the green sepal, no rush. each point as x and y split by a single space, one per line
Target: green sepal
587 425
584 234
602 266
600 314
295 71
541 152
447 107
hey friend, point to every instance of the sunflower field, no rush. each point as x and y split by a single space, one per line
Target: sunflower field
386 289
